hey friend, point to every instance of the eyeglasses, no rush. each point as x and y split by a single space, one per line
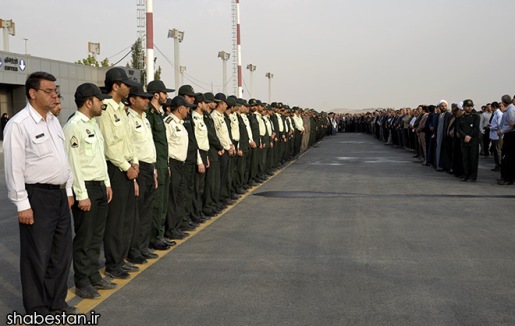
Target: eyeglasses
49 91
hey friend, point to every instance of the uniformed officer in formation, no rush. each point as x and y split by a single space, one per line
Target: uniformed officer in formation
91 189
123 167
155 116
178 140
146 182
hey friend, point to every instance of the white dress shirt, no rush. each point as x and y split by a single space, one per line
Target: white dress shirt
34 153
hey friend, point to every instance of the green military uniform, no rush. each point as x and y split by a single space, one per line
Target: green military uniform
163 176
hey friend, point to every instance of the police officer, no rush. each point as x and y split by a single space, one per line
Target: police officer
178 140
146 183
201 136
91 188
468 129
122 164
155 116
39 182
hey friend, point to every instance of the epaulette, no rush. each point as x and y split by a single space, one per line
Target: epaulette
168 119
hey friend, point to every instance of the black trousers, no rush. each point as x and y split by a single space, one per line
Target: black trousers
177 192
470 154
89 232
160 205
120 219
46 251
508 157
144 203
255 157
211 193
224 174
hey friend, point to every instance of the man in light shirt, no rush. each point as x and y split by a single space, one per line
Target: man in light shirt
91 187
178 140
146 182
122 164
39 182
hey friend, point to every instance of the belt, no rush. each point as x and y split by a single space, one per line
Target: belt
94 183
177 161
146 165
47 186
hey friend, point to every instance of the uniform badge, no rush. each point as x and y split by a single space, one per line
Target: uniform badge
152 110
74 143
138 125
116 119
177 128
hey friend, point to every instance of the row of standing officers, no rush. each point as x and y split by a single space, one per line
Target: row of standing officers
138 171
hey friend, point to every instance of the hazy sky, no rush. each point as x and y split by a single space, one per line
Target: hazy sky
324 54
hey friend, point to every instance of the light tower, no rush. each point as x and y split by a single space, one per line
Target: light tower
9 29
252 68
178 36
182 69
225 57
236 48
269 76
150 41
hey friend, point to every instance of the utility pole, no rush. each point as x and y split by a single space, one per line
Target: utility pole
252 68
225 57
178 36
269 76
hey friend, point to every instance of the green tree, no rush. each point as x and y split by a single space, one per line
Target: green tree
92 61
138 61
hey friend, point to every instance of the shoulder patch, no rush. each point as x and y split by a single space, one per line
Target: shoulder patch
168 119
74 143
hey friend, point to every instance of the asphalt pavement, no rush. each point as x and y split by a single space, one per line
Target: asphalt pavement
352 233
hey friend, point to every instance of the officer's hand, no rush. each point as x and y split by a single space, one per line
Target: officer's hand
155 179
467 139
240 153
221 152
26 216
271 145
169 172
85 205
136 189
260 146
132 173
201 168
136 167
253 145
208 163
109 192
71 201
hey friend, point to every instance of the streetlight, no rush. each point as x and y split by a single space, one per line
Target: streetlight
178 36
26 40
252 68
225 57
269 76
182 69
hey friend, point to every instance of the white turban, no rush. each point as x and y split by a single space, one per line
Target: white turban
460 105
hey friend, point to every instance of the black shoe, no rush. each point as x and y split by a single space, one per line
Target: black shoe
158 246
465 180
245 186
169 243
495 169
104 284
198 220
187 228
252 183
235 196
149 255
87 292
121 274
230 202
128 267
67 310
137 260
240 191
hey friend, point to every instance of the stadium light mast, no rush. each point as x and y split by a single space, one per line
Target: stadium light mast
252 68
269 76
225 57
9 29
178 36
